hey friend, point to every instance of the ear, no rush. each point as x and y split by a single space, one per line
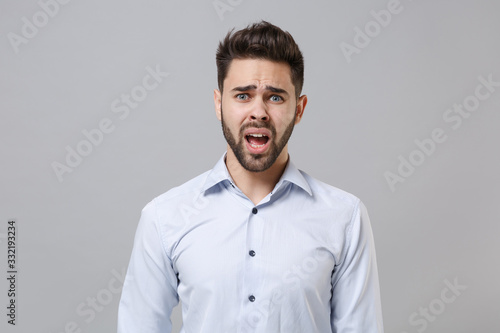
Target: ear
217 103
301 105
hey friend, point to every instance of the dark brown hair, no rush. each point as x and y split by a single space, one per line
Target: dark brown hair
261 40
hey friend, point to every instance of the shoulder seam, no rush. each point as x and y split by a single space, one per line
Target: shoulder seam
349 231
160 230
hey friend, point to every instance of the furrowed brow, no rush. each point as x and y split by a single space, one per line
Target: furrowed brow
277 90
245 88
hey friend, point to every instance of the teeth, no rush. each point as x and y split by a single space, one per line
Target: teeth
257 135
257 146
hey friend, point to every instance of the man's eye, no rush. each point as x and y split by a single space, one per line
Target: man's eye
276 98
242 97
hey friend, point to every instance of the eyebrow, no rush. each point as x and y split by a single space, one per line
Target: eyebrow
254 87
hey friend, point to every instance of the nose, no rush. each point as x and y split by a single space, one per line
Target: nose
259 112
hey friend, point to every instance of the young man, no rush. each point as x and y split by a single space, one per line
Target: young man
254 245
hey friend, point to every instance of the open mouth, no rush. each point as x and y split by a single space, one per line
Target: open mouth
257 140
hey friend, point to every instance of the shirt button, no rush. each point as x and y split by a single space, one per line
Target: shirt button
251 298
252 253
254 210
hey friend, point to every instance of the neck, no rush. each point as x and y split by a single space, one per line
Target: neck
256 185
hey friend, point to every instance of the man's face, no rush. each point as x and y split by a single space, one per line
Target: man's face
258 111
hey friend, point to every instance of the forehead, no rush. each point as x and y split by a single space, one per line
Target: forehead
259 72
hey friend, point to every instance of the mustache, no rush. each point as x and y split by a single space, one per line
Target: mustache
257 124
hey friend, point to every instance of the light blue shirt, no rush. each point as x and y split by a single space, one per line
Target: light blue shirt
302 260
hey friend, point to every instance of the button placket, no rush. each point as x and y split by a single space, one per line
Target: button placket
253 264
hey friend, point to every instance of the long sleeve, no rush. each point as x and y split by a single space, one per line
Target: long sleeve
150 289
355 303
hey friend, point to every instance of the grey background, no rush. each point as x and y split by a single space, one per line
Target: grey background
74 235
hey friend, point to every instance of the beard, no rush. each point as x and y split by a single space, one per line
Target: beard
257 162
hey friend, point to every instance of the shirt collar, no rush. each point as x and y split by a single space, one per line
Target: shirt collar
220 173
